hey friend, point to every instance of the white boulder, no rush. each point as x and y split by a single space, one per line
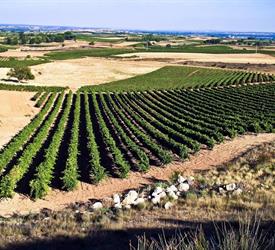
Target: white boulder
162 194
118 206
139 201
181 179
183 187
221 190
156 200
116 198
171 188
172 195
168 205
230 187
97 206
157 191
130 197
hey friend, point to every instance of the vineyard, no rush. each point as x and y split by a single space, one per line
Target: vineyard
171 77
3 49
88 136
10 62
30 88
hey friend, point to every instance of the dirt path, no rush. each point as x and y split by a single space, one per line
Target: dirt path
204 160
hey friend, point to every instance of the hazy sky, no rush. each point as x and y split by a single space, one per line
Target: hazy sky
222 15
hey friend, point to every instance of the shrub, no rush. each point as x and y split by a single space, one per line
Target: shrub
21 73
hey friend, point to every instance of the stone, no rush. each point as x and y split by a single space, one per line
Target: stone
172 195
172 188
168 205
157 191
230 187
139 201
183 187
156 200
96 206
221 190
181 179
162 194
118 206
116 199
130 197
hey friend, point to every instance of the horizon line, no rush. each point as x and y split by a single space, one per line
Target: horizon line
136 29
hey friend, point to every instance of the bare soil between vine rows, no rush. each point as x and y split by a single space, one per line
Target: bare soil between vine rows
205 159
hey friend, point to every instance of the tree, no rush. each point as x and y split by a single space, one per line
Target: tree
12 40
21 73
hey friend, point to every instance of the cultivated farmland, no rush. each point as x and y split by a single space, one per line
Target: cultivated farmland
87 136
172 77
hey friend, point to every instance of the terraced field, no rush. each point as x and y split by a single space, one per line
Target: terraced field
87 136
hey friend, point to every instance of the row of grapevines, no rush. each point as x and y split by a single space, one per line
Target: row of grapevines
41 100
157 114
182 120
122 167
23 136
143 160
30 88
162 154
199 112
36 96
70 174
44 172
97 172
155 133
9 182
176 135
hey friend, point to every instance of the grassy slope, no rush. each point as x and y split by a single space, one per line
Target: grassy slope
164 78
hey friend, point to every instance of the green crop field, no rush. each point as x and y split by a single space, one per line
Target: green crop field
80 53
90 38
217 49
3 49
87 136
30 88
182 77
13 62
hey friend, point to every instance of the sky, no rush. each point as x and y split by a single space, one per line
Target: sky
174 15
